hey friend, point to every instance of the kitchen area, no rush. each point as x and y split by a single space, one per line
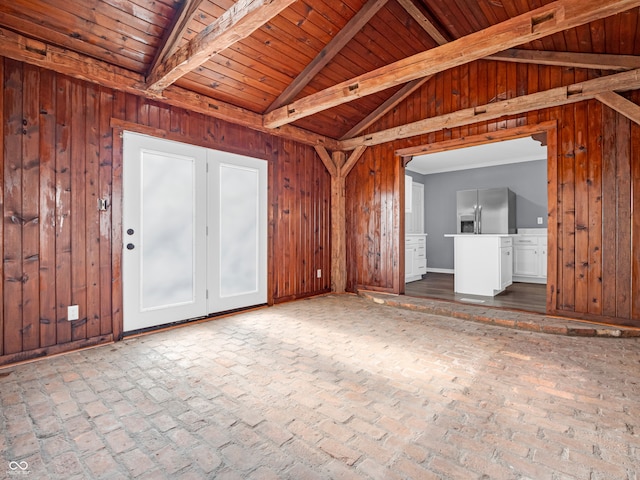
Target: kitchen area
479 215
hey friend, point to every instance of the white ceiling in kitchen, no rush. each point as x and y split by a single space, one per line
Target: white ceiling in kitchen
488 155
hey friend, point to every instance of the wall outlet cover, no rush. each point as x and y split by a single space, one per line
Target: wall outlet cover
539 220
72 312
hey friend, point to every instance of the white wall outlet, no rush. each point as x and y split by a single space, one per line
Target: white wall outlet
319 273
539 220
72 312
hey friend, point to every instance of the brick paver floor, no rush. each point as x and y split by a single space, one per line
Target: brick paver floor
331 387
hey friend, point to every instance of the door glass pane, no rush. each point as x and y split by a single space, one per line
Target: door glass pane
238 230
168 209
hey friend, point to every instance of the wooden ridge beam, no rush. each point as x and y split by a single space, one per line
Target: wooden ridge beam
240 21
620 105
359 20
569 59
541 22
549 98
60 60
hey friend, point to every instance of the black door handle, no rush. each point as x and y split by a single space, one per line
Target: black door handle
130 246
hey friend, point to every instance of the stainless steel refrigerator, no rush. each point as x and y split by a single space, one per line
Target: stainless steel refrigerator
491 210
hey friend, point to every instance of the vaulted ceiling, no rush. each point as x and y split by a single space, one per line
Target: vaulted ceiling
267 61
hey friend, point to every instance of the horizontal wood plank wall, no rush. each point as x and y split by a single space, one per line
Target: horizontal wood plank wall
597 176
59 156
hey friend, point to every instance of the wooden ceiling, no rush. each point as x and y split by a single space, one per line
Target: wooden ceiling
266 61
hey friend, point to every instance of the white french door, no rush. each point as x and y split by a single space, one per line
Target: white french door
237 231
194 231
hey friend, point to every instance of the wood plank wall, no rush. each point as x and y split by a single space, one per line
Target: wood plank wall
59 156
597 182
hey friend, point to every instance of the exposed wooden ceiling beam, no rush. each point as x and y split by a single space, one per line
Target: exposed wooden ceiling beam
423 21
408 88
338 42
17 47
554 17
178 29
621 105
240 21
550 98
568 59
385 107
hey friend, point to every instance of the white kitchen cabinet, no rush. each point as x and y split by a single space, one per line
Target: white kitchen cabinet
414 220
530 258
408 193
506 264
415 257
483 264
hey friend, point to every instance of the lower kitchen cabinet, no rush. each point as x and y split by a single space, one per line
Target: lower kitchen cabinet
483 264
530 258
415 257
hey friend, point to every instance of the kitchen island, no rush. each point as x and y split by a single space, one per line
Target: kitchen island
483 263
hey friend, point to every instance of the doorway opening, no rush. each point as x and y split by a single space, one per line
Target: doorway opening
516 160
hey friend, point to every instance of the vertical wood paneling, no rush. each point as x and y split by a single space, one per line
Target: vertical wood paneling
609 245
60 155
581 207
92 224
594 183
635 209
30 211
48 277
119 111
78 218
592 187
2 229
105 173
623 217
64 112
553 156
12 240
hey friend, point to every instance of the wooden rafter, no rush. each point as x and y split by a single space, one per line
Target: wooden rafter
621 105
17 47
408 88
178 29
554 17
569 59
240 21
338 42
536 101
423 21
385 107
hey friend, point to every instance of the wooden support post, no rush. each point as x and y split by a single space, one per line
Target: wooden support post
338 167
338 227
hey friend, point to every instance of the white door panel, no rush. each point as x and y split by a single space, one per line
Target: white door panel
164 222
238 231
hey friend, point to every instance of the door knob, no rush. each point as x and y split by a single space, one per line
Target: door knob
130 246
130 231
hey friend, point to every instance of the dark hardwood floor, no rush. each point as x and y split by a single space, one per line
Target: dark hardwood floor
529 297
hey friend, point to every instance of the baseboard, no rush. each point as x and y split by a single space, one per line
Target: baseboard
440 270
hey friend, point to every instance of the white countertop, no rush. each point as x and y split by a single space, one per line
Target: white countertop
481 235
532 231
